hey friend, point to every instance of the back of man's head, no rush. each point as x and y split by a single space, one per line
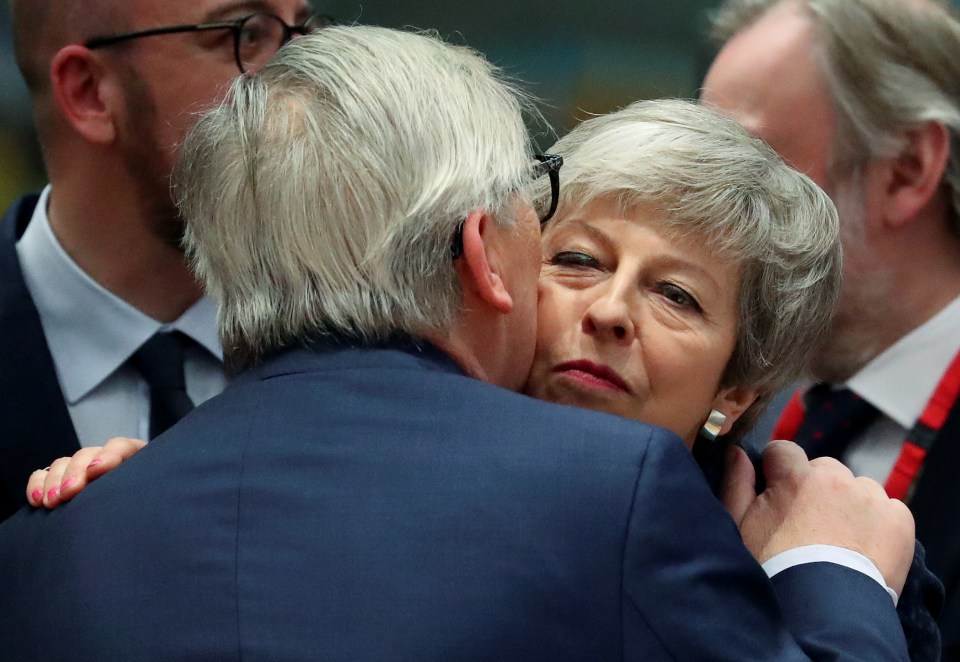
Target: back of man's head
889 65
323 195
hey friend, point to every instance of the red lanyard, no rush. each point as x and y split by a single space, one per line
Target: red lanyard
918 442
923 434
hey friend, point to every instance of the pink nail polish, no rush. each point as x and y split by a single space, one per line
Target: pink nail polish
52 492
67 483
37 496
95 463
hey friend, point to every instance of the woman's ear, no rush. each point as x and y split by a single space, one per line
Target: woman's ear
913 176
732 402
481 265
83 94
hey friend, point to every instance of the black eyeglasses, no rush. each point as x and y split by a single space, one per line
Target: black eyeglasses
256 38
547 164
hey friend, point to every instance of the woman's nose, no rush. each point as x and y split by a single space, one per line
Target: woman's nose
609 315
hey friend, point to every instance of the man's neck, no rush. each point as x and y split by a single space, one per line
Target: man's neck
108 238
916 275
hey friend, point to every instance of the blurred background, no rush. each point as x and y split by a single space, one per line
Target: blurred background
578 57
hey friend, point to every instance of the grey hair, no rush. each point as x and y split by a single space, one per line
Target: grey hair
890 65
323 195
715 182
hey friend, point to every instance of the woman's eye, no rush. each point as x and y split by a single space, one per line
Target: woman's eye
679 296
574 259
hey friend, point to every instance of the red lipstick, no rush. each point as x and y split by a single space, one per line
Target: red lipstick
594 374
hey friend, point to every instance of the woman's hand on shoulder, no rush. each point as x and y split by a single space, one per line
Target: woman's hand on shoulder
66 477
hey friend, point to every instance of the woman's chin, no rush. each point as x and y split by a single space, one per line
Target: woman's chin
604 400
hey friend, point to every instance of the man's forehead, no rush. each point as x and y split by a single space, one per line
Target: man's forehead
199 11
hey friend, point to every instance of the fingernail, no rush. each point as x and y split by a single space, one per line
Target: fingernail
37 496
95 462
67 483
52 492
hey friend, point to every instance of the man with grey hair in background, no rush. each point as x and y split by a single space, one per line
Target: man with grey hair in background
864 96
360 211
105 329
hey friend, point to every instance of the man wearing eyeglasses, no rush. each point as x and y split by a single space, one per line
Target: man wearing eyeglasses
106 331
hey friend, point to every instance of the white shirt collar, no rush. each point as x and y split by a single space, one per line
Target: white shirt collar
90 331
901 380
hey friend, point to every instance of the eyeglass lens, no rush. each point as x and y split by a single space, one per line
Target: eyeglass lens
260 36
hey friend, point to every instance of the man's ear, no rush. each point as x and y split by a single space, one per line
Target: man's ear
914 175
83 94
481 264
732 402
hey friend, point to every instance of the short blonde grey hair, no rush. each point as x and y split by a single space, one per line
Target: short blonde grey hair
323 195
889 64
715 182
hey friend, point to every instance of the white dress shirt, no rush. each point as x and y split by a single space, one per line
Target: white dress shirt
899 382
91 334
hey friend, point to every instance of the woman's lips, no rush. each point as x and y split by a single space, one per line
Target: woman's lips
593 374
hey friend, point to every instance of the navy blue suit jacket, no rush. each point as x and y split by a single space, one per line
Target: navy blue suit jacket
375 504
36 427
936 510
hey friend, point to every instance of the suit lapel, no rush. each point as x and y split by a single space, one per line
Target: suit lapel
36 424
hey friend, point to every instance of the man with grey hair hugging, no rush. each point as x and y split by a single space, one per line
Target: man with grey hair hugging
369 487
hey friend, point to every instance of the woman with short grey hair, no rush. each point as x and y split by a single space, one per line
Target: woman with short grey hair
725 204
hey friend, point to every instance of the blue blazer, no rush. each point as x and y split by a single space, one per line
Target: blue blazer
338 503
936 510
36 426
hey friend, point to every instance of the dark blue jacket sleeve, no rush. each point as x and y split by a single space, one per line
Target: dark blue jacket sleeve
690 582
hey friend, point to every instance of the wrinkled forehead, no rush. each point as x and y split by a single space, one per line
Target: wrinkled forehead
615 206
696 229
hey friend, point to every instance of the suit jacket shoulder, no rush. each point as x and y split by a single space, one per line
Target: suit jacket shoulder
36 424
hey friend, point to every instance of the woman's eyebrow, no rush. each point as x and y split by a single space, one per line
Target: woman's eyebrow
576 224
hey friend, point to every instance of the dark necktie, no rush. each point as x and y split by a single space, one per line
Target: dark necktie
834 416
160 362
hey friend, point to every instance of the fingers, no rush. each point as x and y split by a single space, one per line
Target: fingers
784 464
75 476
821 503
113 453
35 486
738 490
51 482
68 476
